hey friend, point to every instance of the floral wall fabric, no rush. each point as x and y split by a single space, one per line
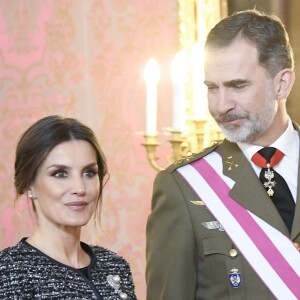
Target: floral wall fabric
85 59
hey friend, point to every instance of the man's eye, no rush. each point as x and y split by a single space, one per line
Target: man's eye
211 88
240 86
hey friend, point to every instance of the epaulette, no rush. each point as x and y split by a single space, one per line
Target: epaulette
186 159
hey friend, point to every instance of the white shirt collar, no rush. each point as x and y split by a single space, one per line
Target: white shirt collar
285 143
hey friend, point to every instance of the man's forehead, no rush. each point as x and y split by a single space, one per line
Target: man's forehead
235 62
239 47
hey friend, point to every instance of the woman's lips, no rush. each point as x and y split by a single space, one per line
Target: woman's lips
76 205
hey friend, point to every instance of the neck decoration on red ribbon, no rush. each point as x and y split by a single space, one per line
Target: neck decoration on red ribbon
260 161
268 174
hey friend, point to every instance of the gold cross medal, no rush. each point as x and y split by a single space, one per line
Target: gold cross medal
269 175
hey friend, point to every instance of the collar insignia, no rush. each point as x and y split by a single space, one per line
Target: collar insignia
230 163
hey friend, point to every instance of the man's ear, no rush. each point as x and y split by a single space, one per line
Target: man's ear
284 81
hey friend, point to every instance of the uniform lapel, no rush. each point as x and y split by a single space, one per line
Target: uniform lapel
296 224
247 189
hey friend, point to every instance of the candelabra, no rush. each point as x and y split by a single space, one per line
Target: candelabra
184 145
196 17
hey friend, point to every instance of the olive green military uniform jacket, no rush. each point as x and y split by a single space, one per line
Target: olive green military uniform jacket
185 259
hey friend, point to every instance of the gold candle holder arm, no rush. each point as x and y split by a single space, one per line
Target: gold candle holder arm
177 143
150 145
199 131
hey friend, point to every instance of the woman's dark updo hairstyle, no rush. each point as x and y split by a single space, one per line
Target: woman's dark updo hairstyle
41 137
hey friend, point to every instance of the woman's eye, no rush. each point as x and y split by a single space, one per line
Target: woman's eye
90 173
60 174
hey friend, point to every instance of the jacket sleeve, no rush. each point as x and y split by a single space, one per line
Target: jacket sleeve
171 246
7 290
129 283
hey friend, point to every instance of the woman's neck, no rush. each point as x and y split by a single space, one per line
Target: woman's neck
64 247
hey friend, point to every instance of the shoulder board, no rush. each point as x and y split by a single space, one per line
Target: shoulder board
186 159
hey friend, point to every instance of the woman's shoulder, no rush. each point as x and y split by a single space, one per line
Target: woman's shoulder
12 251
107 254
13 256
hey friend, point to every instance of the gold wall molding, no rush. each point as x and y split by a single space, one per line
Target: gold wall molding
193 14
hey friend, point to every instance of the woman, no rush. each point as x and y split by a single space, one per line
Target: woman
61 169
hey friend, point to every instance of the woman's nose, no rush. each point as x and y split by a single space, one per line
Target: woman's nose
78 186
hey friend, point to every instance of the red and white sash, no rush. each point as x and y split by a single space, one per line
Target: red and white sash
271 254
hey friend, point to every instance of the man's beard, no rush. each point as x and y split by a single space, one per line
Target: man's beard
253 125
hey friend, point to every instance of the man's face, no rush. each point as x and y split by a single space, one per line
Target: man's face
241 95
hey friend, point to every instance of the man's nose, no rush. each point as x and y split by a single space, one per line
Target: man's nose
224 101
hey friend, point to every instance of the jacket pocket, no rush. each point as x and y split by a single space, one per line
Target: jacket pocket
223 267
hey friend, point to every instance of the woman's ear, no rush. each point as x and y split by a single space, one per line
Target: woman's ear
30 195
284 81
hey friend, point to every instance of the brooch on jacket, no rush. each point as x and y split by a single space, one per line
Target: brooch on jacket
115 282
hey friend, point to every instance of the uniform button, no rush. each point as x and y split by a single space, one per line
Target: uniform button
297 246
233 252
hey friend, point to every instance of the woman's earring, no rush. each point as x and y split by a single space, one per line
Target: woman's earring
29 194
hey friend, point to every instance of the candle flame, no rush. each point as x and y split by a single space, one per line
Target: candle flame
179 67
198 55
152 71
200 105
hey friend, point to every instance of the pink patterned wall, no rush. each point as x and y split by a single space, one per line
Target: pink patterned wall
85 59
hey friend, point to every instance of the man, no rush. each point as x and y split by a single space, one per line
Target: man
216 231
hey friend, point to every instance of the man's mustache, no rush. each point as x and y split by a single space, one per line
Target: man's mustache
229 117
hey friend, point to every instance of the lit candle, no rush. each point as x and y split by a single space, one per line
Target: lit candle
199 88
151 76
179 77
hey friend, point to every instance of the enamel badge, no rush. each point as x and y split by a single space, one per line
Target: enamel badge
235 278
